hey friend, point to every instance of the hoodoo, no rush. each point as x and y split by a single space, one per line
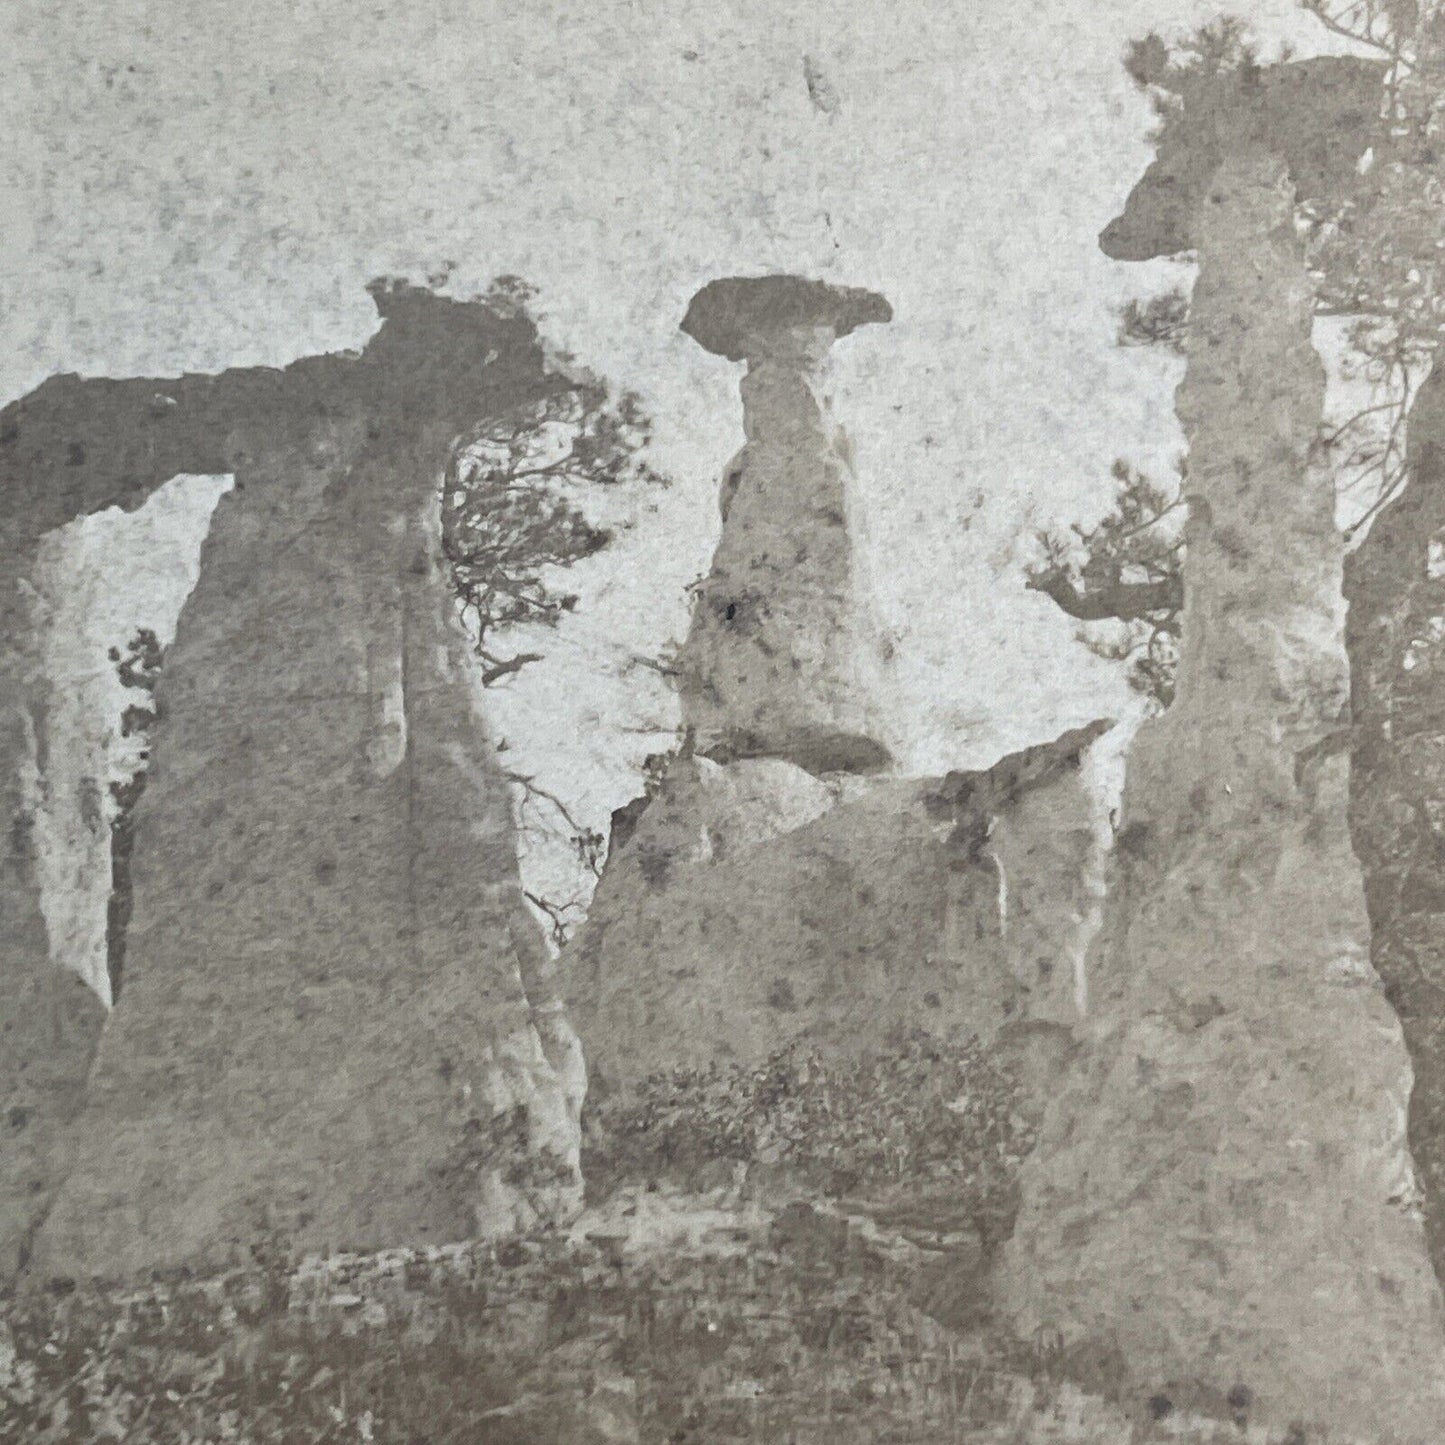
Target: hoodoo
1222 1200
781 659
324 1016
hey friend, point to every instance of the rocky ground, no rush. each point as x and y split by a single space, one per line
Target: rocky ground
813 1271
728 1326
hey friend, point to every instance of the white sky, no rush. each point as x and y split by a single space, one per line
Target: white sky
197 184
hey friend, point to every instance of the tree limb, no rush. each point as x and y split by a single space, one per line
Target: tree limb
1126 601
512 664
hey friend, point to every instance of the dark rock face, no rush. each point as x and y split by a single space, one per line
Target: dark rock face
782 655
324 1012
1317 115
1395 582
739 316
1222 1188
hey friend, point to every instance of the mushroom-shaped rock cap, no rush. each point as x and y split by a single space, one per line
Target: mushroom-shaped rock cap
726 315
1319 116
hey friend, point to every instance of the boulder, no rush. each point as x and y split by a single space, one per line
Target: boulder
755 906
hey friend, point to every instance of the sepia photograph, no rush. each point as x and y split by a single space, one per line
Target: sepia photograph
719 722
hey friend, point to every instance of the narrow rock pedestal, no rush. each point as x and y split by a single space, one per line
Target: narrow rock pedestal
781 658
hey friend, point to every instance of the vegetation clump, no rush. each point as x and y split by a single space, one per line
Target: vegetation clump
920 1113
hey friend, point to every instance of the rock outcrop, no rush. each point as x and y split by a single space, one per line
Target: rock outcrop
781 659
71 448
325 1034
1221 1201
755 906
767 895
1395 581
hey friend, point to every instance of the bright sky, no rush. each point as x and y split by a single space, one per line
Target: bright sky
196 184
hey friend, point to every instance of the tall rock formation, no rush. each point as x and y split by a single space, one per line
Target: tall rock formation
767 895
1395 581
1222 1191
780 661
325 1027
71 448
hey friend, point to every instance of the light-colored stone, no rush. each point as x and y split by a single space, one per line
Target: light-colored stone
1049 855
783 655
739 919
1222 1188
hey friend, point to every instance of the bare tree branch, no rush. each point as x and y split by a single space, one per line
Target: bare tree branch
499 670
1124 602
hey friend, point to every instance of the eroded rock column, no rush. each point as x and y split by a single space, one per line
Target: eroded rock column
49 1019
781 658
325 1027
766 893
1222 1207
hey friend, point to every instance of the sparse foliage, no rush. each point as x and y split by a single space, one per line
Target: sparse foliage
1124 571
1172 73
519 509
1380 257
1162 320
547 1340
542 812
920 1112
513 507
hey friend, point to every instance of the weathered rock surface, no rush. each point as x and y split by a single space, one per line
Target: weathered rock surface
1041 825
97 583
753 907
71 448
325 1017
1222 1191
1395 582
1318 115
782 654
49 1027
